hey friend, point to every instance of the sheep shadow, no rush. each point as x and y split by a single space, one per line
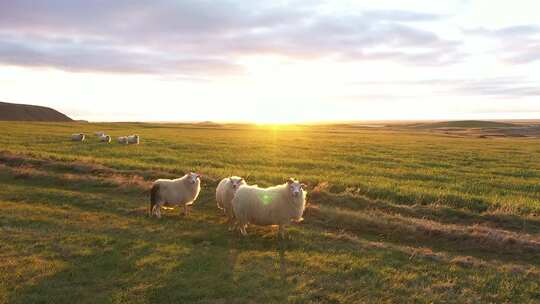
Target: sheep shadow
231 272
88 279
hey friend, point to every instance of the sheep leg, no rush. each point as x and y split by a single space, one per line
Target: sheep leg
281 231
186 210
231 224
230 219
157 210
243 229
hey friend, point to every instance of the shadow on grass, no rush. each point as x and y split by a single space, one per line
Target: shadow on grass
187 270
442 214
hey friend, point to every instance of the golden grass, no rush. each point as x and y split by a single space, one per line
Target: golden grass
392 217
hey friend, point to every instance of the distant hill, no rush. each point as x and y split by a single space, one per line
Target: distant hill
22 112
464 124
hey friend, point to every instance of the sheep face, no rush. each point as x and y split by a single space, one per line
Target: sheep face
295 187
236 183
192 177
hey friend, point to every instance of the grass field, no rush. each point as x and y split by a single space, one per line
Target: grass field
394 216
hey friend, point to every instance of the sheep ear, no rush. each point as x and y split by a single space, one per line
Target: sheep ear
303 186
230 180
290 181
242 180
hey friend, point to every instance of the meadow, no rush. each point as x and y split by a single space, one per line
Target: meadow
394 216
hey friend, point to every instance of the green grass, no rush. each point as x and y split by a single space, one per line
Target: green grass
393 217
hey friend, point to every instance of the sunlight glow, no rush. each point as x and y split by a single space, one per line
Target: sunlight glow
277 81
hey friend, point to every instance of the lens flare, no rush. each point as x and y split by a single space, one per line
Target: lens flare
266 198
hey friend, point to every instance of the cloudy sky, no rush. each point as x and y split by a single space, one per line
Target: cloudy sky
273 61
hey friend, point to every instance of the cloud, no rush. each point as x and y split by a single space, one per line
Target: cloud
516 44
504 87
398 15
497 87
206 37
89 56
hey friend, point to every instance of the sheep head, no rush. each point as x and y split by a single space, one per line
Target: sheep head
295 187
192 177
236 182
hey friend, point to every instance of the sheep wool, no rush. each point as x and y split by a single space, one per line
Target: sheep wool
78 137
105 138
174 192
278 205
123 140
224 194
133 139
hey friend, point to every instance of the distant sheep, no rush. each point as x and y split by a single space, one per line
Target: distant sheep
105 138
99 133
78 137
225 193
123 140
278 205
174 192
133 139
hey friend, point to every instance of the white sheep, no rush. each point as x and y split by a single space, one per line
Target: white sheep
123 140
225 193
174 192
99 133
133 139
78 137
105 138
278 205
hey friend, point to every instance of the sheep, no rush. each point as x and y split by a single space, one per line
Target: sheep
133 139
174 192
123 140
99 133
105 138
78 137
225 193
278 205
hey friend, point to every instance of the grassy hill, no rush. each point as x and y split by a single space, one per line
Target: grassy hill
22 112
393 217
464 124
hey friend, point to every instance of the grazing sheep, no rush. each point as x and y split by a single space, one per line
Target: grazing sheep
174 192
78 137
278 205
123 140
133 139
225 193
99 133
105 138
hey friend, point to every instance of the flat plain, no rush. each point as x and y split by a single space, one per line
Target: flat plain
395 215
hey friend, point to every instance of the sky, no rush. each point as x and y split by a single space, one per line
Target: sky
273 61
